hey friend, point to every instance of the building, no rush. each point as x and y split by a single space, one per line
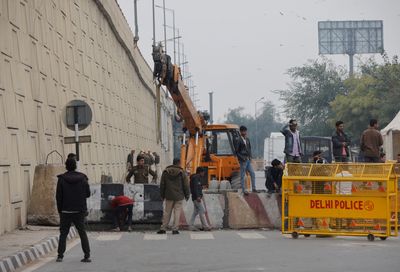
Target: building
55 51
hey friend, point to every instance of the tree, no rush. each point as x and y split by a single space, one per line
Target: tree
375 93
314 86
266 123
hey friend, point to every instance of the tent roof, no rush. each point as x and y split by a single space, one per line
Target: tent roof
393 125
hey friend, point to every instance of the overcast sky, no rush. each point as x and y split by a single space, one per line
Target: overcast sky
241 50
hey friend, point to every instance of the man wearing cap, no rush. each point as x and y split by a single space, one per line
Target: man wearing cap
141 172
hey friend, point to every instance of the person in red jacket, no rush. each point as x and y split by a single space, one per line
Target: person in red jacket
121 205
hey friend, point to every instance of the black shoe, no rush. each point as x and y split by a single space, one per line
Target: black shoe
161 231
246 193
59 259
254 191
175 232
86 260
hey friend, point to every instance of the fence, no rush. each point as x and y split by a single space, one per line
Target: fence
340 199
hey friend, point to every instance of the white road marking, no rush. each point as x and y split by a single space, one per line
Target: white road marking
42 261
109 237
155 237
250 235
201 236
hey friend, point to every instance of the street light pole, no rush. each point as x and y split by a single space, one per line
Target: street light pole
255 119
173 26
179 49
165 28
154 25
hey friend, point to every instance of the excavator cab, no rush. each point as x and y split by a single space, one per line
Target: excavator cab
220 157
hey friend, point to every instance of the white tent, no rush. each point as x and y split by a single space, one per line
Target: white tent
391 138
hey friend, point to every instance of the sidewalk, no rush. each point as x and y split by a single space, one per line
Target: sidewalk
20 247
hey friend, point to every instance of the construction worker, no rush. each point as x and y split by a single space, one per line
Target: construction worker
122 205
141 172
196 189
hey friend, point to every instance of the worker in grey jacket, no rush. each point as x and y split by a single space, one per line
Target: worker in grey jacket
292 142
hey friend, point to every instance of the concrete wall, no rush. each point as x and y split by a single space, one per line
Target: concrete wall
53 51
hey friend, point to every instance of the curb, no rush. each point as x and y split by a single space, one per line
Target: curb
33 253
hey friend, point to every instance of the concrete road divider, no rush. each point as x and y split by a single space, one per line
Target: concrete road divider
42 206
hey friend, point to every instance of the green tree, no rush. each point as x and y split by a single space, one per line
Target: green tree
266 123
314 86
375 93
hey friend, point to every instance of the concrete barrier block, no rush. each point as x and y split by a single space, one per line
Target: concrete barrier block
214 204
94 204
42 207
271 203
241 214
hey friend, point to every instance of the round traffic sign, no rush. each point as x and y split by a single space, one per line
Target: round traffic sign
77 112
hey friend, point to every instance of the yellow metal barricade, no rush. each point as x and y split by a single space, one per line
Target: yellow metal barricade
340 199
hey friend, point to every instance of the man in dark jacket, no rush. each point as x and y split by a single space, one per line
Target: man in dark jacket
196 189
72 191
243 152
273 181
292 142
341 143
174 188
371 142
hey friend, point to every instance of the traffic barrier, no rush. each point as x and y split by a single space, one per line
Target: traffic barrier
256 210
224 209
42 206
214 204
147 208
340 199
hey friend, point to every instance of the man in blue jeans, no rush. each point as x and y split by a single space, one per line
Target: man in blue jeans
243 152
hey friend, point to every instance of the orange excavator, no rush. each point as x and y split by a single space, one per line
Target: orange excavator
211 146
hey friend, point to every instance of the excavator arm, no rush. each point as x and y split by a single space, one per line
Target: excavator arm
194 122
170 76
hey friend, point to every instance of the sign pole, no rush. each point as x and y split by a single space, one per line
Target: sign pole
76 133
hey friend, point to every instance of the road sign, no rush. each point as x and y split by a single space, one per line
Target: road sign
77 112
82 139
77 116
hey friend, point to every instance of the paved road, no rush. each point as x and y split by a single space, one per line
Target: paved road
229 251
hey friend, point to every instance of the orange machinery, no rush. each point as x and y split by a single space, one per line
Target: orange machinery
203 145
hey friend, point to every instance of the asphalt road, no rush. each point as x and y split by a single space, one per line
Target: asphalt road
228 250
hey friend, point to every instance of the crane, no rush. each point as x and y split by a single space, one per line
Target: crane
211 146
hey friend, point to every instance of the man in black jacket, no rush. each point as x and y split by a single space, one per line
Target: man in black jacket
341 143
72 191
243 152
197 196
273 181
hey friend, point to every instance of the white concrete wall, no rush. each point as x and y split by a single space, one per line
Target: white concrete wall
53 51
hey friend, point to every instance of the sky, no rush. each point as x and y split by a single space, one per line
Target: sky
241 50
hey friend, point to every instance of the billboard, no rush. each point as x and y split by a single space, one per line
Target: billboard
350 37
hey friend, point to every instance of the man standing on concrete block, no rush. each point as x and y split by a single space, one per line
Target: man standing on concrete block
196 189
371 142
243 152
141 172
174 188
72 192
292 142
